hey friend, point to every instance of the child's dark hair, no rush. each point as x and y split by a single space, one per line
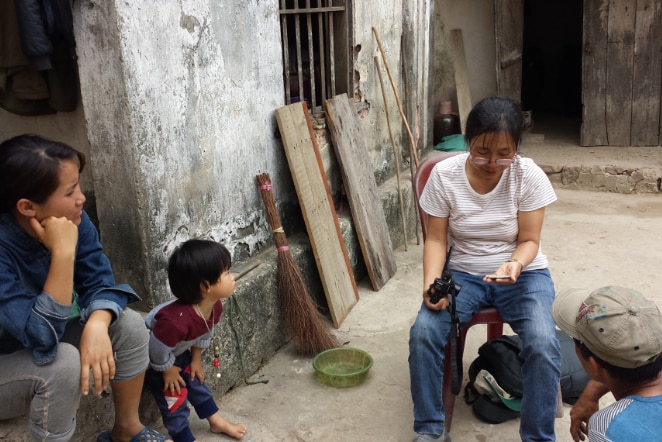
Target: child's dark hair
193 263
630 375
30 168
494 115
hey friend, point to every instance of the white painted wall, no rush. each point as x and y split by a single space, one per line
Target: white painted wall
203 80
476 19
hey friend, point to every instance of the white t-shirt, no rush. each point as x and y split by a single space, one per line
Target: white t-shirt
483 229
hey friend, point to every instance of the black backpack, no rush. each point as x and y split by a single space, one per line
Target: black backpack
501 358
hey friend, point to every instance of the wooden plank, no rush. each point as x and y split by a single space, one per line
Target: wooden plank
620 59
461 76
509 35
647 81
594 74
361 189
319 214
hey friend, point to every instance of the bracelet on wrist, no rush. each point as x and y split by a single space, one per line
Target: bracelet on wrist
517 261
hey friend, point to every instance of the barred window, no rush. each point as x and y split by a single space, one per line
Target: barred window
316 63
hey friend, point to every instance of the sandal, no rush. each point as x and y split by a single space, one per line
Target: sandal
104 436
147 434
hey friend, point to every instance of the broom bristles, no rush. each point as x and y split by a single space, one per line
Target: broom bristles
308 328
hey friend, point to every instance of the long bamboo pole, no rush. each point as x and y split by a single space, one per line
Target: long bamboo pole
412 167
414 154
395 152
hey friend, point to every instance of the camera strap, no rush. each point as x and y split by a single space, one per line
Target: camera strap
456 348
454 339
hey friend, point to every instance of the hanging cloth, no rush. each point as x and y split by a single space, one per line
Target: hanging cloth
38 72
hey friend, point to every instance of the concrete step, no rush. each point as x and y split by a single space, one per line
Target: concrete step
599 168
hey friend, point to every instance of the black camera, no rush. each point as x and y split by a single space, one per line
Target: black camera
443 287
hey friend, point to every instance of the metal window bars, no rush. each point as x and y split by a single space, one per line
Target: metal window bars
309 68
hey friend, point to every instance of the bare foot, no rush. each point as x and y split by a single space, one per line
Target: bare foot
219 425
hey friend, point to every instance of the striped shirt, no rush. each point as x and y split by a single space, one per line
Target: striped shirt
634 418
483 229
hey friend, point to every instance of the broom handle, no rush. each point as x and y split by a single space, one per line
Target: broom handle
264 184
305 323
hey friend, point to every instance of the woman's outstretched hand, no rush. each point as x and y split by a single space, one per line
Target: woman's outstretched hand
507 273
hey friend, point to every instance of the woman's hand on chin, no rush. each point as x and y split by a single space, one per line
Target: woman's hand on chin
59 235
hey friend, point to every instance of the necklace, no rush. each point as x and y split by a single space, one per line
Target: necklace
214 344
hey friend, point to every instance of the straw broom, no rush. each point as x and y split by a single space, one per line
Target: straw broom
309 329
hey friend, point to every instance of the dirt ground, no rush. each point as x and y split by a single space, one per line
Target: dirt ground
592 239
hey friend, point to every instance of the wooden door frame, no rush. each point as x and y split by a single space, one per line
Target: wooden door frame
509 35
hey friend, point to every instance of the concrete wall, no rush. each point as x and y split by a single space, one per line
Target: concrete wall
177 119
476 19
179 100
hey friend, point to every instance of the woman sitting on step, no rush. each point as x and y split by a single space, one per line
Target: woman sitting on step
62 316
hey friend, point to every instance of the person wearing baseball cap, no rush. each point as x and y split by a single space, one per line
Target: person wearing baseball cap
618 339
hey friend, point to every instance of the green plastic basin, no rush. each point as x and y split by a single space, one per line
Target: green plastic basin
342 367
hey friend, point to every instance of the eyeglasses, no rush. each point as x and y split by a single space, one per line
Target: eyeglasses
479 161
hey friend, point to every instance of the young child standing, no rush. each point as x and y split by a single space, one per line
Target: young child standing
199 277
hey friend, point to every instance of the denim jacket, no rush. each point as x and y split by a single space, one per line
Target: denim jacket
31 318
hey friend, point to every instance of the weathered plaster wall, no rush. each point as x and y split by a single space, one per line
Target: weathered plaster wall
476 19
393 20
176 119
179 99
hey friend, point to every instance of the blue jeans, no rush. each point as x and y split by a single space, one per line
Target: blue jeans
175 414
526 306
50 394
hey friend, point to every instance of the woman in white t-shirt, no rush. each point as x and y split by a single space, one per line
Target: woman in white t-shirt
488 205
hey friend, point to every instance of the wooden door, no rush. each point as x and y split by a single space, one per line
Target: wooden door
509 32
622 73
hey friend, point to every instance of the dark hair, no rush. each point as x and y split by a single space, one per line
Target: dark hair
30 168
630 375
193 263
494 115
